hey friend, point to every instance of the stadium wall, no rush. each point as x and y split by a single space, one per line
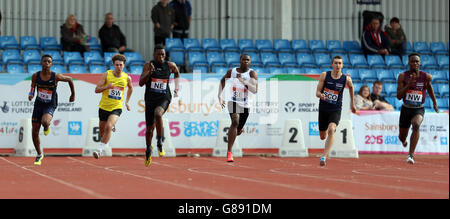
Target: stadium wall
318 19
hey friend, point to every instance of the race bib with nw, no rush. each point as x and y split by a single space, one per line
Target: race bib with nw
159 85
331 96
414 98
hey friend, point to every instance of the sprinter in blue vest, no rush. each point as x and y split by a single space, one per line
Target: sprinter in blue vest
330 91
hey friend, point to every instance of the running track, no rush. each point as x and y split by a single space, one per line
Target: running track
369 177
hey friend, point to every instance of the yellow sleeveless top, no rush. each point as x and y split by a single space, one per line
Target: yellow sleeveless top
112 99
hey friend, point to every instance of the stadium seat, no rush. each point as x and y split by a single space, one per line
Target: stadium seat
442 61
422 47
58 68
73 58
390 89
356 87
8 42
29 42
94 45
211 45
233 58
11 56
354 74
367 76
428 62
255 59
93 57
335 46
192 45
1 68
442 104
197 58
31 57
276 70
15 68
264 46
428 105
443 90
292 70
282 46
178 58
136 69
397 72
345 59
317 46
438 48
322 60
229 45
385 75
108 58
246 45
352 47
311 71
270 60
396 103
405 61
97 69
201 69
306 60
394 62
376 61
134 58
174 44
439 77
215 59
287 60
219 70
300 46
56 56
77 69
358 61
409 48
49 43
33 68
260 70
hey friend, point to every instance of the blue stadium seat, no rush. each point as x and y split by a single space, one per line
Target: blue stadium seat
8 42
192 45
1 68
300 46
390 89
428 62
31 57
49 43
255 59
56 56
396 103
306 60
368 76
233 58
405 60
229 45
345 59
136 69
356 87
287 60
394 61
77 69
422 47
219 70
442 104
97 69
436 90
385 76
317 46
174 44
33 68
322 60
58 68
311 71
409 48
11 56
264 46
215 59
376 61
352 47
335 46
94 45
246 45
211 45
397 72
73 58
293 70
260 70
443 90
134 58
201 69
108 58
438 48
282 46
277 70
358 61
178 58
197 59
442 61
354 74
439 77
29 42
15 68
326 69
270 60
428 105
93 57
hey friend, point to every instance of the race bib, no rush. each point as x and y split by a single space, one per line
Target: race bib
239 94
115 93
45 95
159 85
331 96
414 97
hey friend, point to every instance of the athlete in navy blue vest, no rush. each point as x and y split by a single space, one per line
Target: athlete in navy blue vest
45 82
330 90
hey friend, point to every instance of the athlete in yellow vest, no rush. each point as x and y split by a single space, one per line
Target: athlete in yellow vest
112 86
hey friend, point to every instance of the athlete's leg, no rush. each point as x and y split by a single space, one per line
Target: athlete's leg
159 112
36 126
232 133
149 135
416 122
101 126
242 120
323 135
330 139
46 120
403 134
107 129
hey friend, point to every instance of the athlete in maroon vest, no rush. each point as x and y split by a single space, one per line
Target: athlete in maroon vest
412 88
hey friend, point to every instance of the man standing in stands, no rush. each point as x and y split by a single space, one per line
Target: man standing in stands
163 18
375 41
183 18
397 37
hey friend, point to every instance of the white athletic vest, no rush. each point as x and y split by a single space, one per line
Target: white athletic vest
239 93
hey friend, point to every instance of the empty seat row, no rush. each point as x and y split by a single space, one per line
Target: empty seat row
72 68
45 43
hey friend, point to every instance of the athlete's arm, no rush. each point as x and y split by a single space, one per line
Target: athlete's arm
61 77
221 86
101 84
402 89
351 91
319 93
252 85
146 73
33 87
431 92
129 92
176 75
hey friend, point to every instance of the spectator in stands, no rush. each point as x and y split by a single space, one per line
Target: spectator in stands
379 101
73 37
396 36
362 99
374 40
112 39
163 18
183 18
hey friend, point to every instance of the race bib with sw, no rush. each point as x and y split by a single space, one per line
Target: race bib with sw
414 98
115 93
239 94
331 96
45 95
159 85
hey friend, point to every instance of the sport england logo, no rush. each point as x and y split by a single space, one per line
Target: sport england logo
289 107
314 129
4 108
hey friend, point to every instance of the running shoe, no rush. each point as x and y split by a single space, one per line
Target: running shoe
161 151
323 161
38 160
229 157
47 132
410 159
148 157
97 154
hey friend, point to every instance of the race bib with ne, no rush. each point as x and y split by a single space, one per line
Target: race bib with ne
331 96
159 85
